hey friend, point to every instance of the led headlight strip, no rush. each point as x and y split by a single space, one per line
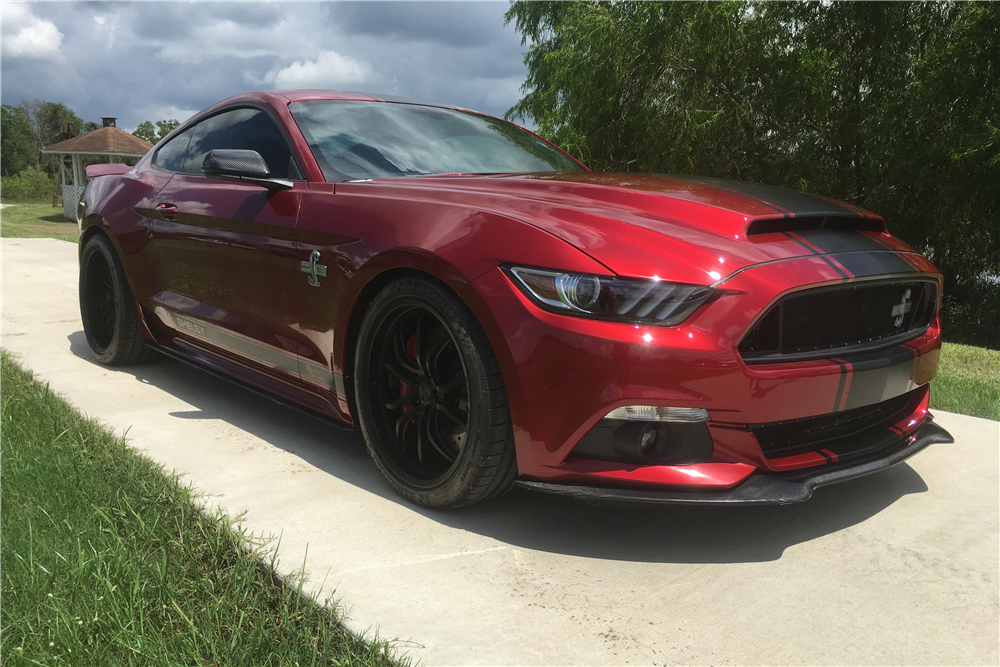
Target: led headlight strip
653 302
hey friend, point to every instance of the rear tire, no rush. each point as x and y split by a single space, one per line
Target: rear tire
107 306
431 399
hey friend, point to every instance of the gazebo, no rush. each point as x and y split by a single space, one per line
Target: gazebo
105 141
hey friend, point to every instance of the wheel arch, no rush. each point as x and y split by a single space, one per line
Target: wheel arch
123 325
439 271
93 225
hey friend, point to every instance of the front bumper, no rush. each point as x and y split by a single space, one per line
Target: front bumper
762 487
564 374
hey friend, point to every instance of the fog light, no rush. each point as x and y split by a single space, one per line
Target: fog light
647 441
656 413
639 443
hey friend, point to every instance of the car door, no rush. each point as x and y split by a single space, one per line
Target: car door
224 251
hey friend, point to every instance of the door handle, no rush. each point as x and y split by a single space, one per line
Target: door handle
168 211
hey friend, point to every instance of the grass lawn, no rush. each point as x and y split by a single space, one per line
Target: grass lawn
108 561
968 381
36 220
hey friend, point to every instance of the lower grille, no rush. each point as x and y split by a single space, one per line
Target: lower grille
848 434
839 320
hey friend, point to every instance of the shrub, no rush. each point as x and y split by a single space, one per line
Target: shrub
32 184
970 312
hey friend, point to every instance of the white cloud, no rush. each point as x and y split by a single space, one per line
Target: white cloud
225 38
152 61
27 36
329 69
108 24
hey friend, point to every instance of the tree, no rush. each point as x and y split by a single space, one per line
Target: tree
51 122
892 106
147 132
17 149
165 127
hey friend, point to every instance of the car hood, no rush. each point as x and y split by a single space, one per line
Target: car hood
679 228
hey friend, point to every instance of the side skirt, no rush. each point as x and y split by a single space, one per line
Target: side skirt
260 391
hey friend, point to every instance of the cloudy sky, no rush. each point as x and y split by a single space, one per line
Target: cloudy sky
151 60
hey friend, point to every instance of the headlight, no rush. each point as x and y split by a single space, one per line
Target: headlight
653 302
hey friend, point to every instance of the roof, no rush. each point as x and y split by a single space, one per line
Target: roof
108 140
308 95
284 97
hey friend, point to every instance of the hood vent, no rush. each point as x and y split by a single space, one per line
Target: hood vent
805 223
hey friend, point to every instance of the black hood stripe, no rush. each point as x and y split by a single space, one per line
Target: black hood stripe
858 252
861 264
843 204
903 255
838 267
814 249
835 265
875 237
866 264
840 240
718 185
790 203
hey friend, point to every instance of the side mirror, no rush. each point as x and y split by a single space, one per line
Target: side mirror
243 166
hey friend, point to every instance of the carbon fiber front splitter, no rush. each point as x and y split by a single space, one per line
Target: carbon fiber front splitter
761 488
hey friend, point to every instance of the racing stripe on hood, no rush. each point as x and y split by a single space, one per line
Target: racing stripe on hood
905 256
857 254
790 203
840 240
736 188
865 264
857 209
833 264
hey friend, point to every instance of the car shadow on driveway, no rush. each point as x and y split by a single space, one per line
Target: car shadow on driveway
541 522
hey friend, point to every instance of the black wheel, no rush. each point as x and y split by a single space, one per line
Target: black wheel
431 399
107 306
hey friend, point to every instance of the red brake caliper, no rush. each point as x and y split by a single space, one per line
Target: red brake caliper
411 348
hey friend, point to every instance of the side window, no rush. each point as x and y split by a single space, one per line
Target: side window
170 156
248 129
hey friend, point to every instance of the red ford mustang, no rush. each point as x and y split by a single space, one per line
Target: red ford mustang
489 312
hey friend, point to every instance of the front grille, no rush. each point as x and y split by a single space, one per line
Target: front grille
845 318
849 433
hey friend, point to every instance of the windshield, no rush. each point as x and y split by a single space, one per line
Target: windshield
356 140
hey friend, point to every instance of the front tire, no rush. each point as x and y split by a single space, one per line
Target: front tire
431 399
107 306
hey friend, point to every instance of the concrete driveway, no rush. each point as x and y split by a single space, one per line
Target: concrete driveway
896 568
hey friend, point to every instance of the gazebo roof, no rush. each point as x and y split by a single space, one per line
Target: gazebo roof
104 140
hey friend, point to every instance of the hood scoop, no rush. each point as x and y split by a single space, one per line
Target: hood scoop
809 223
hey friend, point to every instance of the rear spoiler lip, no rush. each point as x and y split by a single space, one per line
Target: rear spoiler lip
115 169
